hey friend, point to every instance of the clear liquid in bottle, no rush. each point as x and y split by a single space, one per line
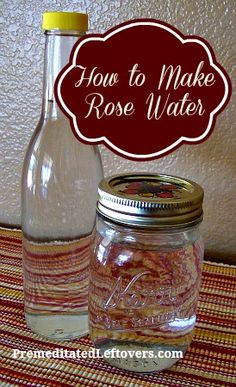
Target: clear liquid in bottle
56 287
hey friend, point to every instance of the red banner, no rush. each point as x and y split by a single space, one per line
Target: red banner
142 89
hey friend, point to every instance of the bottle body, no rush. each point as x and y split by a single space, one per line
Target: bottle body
60 180
59 184
143 294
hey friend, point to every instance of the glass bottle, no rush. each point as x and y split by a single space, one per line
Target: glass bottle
145 270
59 189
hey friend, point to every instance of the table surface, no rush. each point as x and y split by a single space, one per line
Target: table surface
210 361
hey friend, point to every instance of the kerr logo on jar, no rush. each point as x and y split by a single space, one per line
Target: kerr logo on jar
132 295
142 89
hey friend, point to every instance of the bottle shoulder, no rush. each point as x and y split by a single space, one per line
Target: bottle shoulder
59 184
56 156
55 140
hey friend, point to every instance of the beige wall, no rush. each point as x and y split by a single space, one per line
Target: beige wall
212 164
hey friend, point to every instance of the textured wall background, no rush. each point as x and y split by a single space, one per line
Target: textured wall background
211 164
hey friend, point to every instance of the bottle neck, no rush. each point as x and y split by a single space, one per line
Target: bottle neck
58 47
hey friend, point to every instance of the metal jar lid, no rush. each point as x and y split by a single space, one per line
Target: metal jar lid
150 200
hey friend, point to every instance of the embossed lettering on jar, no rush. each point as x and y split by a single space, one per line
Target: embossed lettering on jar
145 271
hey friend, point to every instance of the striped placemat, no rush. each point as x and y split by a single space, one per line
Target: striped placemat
210 361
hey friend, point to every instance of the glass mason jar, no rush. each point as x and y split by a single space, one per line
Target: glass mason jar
145 271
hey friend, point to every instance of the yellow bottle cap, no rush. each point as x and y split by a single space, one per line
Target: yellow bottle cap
73 21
